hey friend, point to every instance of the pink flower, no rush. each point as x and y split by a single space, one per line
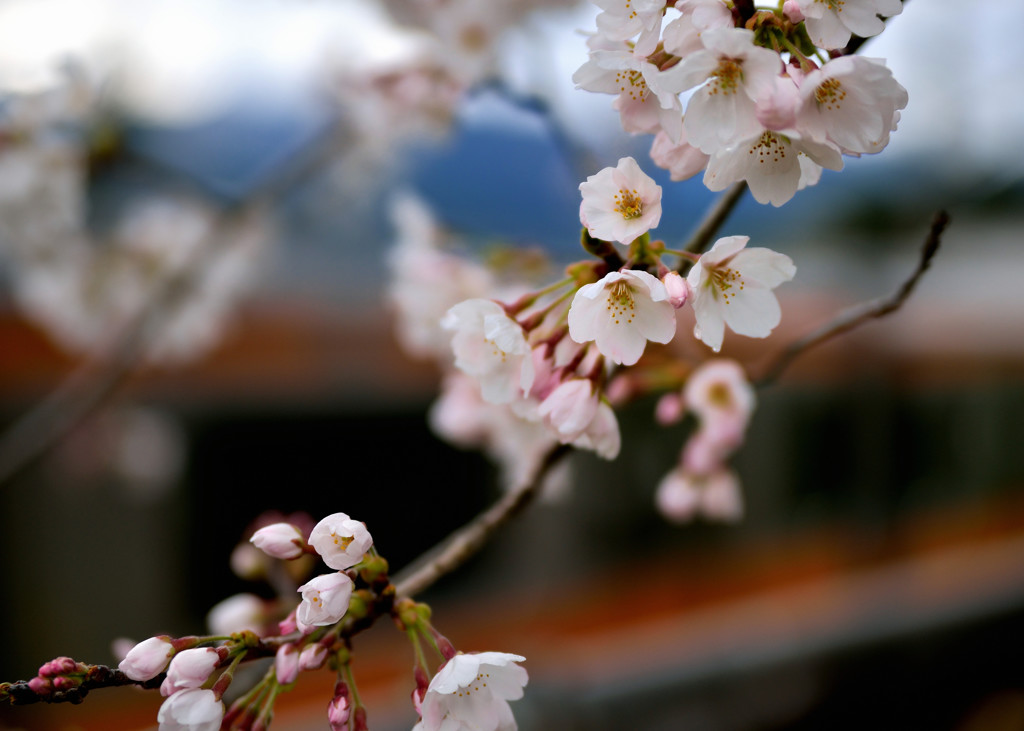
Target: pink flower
190 669
340 708
621 312
681 159
280 540
733 286
191 710
147 659
620 203
602 434
681 496
718 391
340 541
324 600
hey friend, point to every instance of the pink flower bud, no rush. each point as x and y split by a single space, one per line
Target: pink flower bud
286 664
288 625
791 9
147 659
678 289
312 657
280 540
41 686
339 709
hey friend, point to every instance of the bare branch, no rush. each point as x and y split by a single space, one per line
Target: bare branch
465 542
715 218
857 315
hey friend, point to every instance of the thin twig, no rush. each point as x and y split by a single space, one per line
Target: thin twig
465 542
715 218
857 315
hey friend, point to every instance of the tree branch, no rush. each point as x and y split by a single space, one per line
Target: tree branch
715 218
465 542
859 314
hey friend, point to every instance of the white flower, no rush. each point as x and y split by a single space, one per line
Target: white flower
774 164
733 286
191 710
280 540
830 22
324 600
471 693
189 669
491 347
722 111
340 541
620 203
621 312
147 659
683 35
852 101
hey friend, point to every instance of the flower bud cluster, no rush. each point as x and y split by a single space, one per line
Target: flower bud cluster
767 106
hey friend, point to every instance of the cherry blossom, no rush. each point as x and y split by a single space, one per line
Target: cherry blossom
324 600
718 392
620 203
621 312
623 19
570 408
471 693
722 111
646 102
683 35
733 286
340 541
280 540
286 663
237 613
147 659
851 101
681 159
678 289
602 434
774 164
491 347
191 710
831 22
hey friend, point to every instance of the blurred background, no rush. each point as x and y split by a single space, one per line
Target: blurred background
197 326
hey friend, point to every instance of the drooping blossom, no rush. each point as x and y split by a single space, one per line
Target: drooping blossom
620 20
147 659
471 693
324 600
732 285
286 663
570 408
621 312
279 540
491 347
191 710
312 656
681 159
831 22
340 541
190 669
602 435
773 163
682 36
620 203
720 395
678 289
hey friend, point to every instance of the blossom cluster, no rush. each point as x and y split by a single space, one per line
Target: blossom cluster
771 99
